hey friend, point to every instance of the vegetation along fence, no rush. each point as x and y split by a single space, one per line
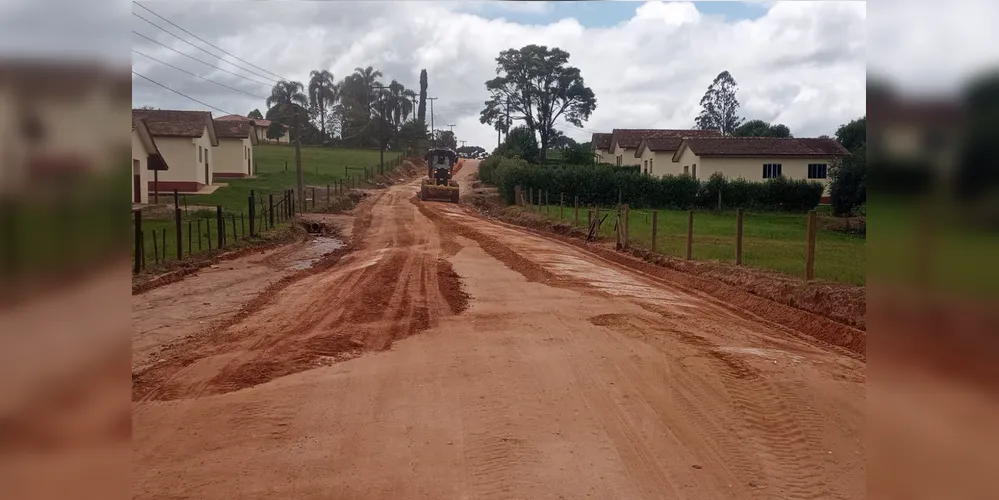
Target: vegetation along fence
158 240
792 243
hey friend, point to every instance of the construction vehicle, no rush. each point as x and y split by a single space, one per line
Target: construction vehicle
438 185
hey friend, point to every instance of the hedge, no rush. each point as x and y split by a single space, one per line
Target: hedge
601 185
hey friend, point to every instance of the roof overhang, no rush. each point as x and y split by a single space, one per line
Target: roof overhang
679 151
155 160
211 130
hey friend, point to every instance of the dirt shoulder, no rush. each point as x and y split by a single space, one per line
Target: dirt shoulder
845 304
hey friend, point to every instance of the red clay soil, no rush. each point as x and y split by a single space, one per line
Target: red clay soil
524 367
842 303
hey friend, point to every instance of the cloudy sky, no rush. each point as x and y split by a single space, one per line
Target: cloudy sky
797 63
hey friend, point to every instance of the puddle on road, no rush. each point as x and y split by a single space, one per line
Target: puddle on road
317 247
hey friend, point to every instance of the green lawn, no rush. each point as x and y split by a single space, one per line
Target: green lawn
942 254
320 166
770 241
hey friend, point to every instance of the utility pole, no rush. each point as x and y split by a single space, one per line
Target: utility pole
462 143
381 138
451 127
433 137
298 158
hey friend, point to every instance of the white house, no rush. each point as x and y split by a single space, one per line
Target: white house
186 140
234 154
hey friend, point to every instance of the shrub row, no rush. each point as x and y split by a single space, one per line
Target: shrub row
602 185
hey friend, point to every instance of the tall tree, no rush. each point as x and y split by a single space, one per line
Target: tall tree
854 134
421 113
521 142
446 139
289 99
538 86
256 115
719 106
760 128
323 94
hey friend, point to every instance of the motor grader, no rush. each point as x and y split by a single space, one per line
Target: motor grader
438 185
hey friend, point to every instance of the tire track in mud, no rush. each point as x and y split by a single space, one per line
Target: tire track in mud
699 427
322 315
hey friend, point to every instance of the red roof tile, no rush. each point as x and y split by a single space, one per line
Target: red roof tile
601 141
658 144
168 123
230 129
630 138
764 146
232 118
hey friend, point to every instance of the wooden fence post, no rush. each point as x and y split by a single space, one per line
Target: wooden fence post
253 211
208 229
738 237
178 222
199 234
627 225
235 237
539 201
655 228
156 249
270 209
690 234
810 256
190 244
561 206
327 194
575 211
313 197
138 241
548 205
220 229
164 244
619 244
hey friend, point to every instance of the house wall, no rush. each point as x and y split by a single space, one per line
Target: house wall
139 153
751 169
603 156
230 158
687 161
181 154
660 163
627 156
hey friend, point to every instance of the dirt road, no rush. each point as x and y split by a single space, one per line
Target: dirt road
446 356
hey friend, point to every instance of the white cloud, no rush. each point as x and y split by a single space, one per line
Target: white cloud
802 63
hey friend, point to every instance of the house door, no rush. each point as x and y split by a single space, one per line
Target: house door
136 182
208 181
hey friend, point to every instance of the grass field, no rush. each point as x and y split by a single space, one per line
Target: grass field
320 166
770 241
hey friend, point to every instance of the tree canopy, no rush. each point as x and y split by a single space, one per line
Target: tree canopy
520 142
760 128
537 86
854 134
256 114
719 106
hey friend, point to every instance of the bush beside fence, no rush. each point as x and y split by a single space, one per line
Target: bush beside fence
600 185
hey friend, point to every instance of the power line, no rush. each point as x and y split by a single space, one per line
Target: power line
220 58
198 76
207 42
179 93
199 60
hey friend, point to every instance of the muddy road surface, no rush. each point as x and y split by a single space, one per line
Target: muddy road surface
446 356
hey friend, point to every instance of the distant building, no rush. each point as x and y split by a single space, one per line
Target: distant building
186 140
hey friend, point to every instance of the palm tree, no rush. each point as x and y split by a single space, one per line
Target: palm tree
323 94
288 98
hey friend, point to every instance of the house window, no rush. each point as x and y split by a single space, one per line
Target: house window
651 164
686 170
693 170
771 170
619 160
645 166
199 155
817 170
